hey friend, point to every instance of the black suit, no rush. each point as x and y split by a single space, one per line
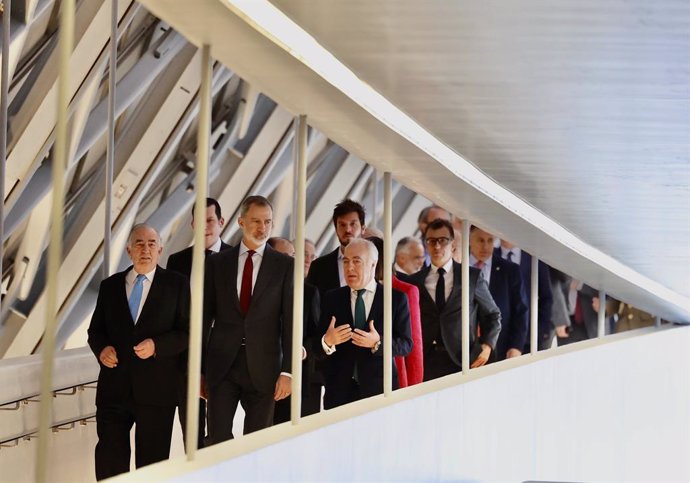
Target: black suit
181 262
441 332
324 272
339 366
246 353
507 291
141 391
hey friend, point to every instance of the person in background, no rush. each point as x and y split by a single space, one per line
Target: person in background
409 256
309 254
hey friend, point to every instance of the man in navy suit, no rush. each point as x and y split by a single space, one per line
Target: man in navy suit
326 272
248 298
352 326
510 252
138 330
505 284
181 262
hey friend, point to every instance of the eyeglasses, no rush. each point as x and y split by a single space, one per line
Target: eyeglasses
443 241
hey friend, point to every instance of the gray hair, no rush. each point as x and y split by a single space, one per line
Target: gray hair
373 252
249 201
139 226
405 242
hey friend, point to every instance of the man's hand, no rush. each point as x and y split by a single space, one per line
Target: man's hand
513 353
483 356
562 331
108 357
337 335
145 349
362 338
283 387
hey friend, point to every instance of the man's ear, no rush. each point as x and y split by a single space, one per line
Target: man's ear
221 222
240 222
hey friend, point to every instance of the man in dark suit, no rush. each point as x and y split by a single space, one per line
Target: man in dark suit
138 330
326 272
505 284
440 296
352 324
248 292
181 262
311 397
511 253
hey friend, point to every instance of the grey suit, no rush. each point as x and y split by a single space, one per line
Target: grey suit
441 333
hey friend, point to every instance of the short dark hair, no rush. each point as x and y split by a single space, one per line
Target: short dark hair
249 201
439 223
348 206
422 214
210 202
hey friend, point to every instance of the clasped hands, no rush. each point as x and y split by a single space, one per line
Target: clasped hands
342 333
143 350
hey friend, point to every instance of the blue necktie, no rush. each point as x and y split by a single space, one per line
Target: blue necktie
135 297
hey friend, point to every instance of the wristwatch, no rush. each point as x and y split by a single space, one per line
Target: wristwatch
376 347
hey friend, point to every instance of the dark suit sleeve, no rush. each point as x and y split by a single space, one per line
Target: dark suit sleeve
175 263
209 309
402 333
176 340
488 313
98 339
312 308
286 336
518 323
545 299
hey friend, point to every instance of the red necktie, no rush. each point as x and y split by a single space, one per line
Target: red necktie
246 287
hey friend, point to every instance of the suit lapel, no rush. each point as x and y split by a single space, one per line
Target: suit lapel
154 298
376 306
420 281
123 293
263 278
347 294
230 278
456 291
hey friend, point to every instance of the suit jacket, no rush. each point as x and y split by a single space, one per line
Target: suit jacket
339 366
411 367
508 293
312 311
266 328
589 315
163 318
181 262
544 290
323 272
483 313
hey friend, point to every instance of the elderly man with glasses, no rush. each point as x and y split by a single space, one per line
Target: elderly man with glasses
440 305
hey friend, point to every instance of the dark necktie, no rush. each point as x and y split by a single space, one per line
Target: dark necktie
246 287
510 256
360 311
441 290
208 252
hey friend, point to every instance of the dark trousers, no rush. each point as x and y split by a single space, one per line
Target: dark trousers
236 387
578 333
152 436
311 404
437 363
337 396
182 414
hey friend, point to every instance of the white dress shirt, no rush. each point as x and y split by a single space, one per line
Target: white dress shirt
256 260
516 254
432 279
368 297
130 278
215 248
486 269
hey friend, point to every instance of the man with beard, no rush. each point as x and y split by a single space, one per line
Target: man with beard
248 297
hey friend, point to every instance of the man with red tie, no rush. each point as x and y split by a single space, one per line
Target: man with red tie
248 312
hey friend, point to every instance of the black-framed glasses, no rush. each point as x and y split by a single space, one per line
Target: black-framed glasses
443 241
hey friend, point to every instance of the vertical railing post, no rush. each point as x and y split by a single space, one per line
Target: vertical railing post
198 256
465 297
601 315
110 153
298 219
657 322
4 104
387 284
534 307
59 162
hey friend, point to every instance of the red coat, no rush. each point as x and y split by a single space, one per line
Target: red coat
411 367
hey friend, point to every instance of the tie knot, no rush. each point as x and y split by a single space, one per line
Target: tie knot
479 264
250 253
208 252
441 271
360 292
140 278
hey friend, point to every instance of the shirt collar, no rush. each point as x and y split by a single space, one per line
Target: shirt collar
259 251
370 287
446 266
398 268
132 275
215 248
505 251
